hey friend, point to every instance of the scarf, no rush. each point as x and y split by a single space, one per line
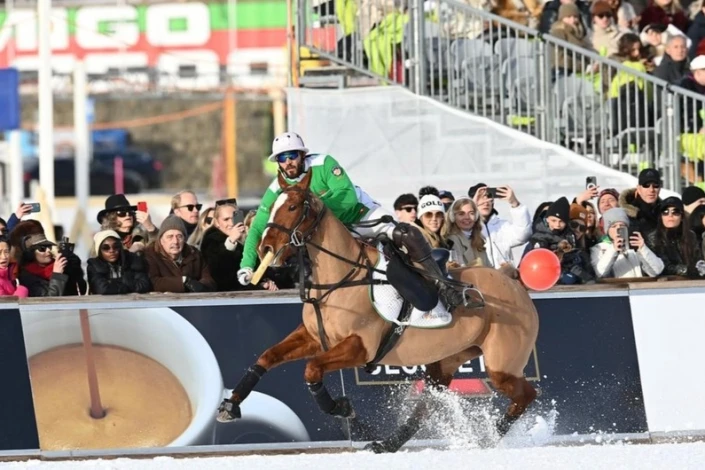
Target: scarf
125 238
36 269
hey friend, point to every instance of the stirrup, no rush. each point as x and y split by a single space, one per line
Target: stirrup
472 301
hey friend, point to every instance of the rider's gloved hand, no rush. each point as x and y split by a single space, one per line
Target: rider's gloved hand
244 276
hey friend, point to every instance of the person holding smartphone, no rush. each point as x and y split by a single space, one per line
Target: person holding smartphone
622 253
223 244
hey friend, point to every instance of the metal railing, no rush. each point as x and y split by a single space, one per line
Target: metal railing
604 109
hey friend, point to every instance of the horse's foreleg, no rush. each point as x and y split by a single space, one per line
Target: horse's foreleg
438 376
298 345
519 391
348 353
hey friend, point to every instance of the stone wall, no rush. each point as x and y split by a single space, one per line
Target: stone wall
186 146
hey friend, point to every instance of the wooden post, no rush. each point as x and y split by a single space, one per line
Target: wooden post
230 143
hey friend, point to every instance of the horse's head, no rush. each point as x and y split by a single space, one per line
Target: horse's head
293 219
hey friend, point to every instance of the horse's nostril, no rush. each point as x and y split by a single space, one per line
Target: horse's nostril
268 248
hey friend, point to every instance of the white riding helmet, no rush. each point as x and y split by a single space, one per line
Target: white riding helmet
287 142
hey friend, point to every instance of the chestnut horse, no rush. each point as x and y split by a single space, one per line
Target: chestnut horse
504 330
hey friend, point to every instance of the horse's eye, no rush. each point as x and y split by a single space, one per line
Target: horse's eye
292 208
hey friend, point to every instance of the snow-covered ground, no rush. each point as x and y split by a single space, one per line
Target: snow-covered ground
613 456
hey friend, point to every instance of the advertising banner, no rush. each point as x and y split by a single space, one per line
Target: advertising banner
162 372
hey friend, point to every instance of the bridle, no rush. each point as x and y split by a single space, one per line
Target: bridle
299 239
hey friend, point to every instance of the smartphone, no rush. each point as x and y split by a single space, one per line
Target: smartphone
238 218
36 207
591 182
491 193
623 233
142 206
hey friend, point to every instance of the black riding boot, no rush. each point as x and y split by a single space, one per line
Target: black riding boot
420 252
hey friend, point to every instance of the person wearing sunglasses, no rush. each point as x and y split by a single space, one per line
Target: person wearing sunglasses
122 217
405 208
46 273
116 270
642 203
605 33
349 203
185 205
674 242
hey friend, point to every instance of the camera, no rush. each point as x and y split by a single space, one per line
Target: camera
65 247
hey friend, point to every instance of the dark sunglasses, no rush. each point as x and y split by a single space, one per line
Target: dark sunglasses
108 247
125 213
604 15
676 212
208 220
575 225
221 202
408 208
652 185
42 248
191 207
292 155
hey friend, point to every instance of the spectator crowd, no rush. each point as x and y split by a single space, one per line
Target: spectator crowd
599 234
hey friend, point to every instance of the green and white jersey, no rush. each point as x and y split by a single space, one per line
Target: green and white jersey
328 181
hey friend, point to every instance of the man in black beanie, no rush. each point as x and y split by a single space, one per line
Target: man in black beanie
642 203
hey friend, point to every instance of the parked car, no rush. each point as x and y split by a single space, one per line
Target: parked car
101 178
137 160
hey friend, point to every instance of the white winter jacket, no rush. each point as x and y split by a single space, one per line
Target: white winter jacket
610 263
501 235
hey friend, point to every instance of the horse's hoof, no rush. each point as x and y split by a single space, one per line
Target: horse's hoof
377 447
228 411
343 408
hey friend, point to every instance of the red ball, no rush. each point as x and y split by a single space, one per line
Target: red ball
540 269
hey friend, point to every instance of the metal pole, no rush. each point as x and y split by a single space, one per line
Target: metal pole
81 135
289 43
46 103
419 59
673 139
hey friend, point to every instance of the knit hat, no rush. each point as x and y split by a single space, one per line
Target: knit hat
614 215
101 236
611 191
561 209
172 222
578 212
692 194
600 7
568 9
430 203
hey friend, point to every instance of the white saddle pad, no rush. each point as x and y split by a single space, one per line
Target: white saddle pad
388 303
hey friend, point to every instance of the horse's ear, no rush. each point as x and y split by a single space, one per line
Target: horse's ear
281 180
306 181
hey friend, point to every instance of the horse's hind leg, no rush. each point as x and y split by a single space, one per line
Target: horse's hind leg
348 353
519 391
298 345
438 375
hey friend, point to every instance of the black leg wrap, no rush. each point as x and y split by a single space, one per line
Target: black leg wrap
504 424
340 408
400 436
249 381
230 409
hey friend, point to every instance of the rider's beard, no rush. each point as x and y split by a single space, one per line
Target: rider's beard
295 170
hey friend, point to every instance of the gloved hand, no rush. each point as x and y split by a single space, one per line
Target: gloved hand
244 276
192 285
